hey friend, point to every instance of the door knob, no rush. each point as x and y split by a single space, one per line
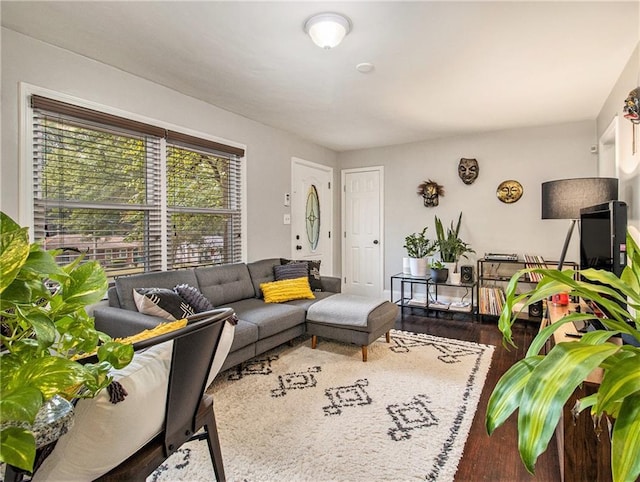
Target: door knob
375 241
298 247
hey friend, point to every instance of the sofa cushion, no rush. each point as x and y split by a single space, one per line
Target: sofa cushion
314 272
291 271
194 297
262 272
161 279
246 334
287 290
162 302
269 319
224 284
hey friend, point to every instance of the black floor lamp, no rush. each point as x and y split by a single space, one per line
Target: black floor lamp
563 199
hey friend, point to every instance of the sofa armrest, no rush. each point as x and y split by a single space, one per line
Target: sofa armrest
332 284
119 323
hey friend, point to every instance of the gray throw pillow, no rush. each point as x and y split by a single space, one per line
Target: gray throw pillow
290 271
161 302
314 272
194 297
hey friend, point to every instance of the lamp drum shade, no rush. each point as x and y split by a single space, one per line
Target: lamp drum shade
563 198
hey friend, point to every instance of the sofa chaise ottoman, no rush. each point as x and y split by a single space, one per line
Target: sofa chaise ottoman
351 319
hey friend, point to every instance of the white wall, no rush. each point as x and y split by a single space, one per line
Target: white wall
530 156
269 150
628 168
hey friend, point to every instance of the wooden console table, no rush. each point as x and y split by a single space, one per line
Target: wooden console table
582 455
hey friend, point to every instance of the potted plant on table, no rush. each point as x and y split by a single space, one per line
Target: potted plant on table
418 247
439 272
538 386
451 247
44 328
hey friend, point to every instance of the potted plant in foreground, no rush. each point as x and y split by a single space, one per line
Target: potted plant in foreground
44 327
418 247
451 247
538 386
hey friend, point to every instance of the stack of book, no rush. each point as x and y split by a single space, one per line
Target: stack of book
491 301
534 261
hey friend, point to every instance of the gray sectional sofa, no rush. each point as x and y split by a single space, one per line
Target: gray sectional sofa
261 327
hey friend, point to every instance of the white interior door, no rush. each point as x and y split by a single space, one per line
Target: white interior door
312 213
362 253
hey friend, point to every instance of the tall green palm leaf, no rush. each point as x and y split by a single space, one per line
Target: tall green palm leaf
538 386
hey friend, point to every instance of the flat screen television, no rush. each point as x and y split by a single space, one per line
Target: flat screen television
603 231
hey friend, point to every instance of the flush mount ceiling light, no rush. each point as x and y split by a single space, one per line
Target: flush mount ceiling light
327 29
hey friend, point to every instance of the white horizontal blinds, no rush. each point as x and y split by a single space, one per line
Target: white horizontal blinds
97 187
203 202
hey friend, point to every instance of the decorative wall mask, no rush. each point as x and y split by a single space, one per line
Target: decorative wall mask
468 170
632 106
430 192
509 191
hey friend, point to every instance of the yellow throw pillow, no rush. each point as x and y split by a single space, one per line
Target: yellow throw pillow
287 290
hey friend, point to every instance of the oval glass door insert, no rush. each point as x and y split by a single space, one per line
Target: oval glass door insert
312 217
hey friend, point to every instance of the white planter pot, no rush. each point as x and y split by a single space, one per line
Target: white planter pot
418 266
406 266
454 278
450 267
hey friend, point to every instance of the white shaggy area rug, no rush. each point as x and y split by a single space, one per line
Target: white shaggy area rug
297 414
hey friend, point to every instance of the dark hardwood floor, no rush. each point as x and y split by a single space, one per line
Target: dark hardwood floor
494 458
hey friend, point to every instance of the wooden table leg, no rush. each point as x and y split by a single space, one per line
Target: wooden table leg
388 337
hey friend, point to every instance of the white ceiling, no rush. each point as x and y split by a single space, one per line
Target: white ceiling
441 68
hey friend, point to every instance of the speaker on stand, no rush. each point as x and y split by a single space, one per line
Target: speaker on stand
466 274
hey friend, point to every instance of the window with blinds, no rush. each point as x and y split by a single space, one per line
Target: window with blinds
99 191
203 205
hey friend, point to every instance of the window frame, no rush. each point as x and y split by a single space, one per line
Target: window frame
26 169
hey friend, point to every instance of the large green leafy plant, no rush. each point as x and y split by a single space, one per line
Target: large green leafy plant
538 386
451 247
44 328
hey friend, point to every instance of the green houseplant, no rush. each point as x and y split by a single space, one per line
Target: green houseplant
451 247
439 272
539 385
45 327
418 247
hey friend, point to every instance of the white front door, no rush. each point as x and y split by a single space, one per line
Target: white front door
312 213
362 253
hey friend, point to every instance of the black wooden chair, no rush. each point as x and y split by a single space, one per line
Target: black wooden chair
189 408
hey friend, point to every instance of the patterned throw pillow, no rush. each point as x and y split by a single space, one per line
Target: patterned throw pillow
314 272
290 271
161 302
194 297
287 290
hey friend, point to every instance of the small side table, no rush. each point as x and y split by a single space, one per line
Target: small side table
406 294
